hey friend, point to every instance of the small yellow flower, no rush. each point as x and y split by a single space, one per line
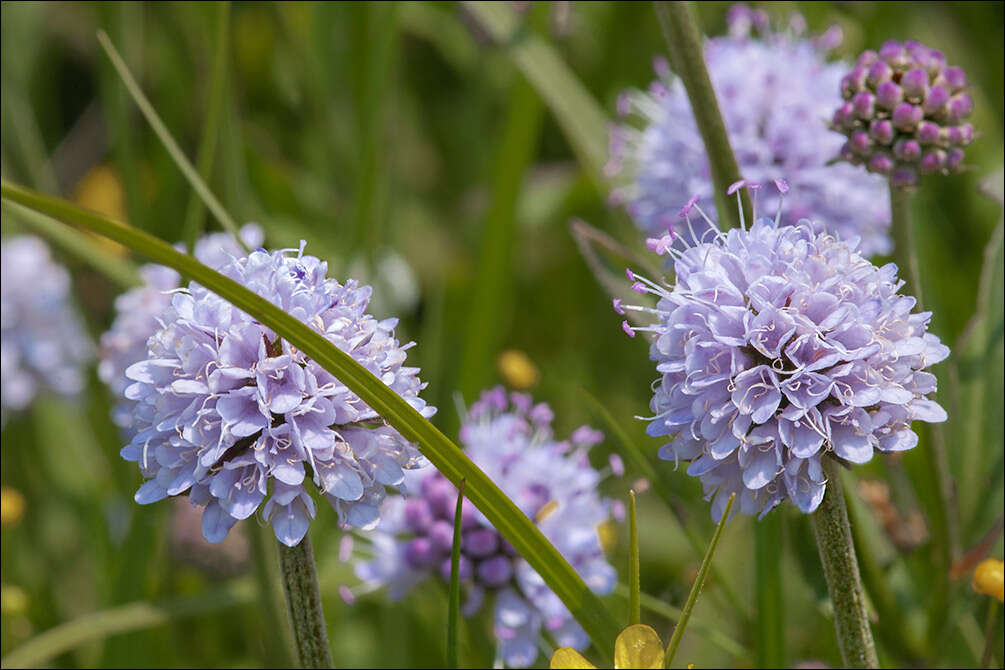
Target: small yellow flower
517 370
100 190
638 646
989 578
11 506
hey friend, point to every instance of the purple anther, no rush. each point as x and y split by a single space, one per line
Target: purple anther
496 571
628 329
906 116
782 186
880 164
639 287
915 83
928 132
881 131
736 186
864 104
617 306
889 95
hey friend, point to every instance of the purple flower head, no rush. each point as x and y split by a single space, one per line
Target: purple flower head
234 416
916 101
780 346
43 344
138 315
553 484
774 92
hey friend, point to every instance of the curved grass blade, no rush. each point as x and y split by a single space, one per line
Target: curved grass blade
699 582
454 605
634 610
194 214
130 617
167 140
578 114
77 244
448 458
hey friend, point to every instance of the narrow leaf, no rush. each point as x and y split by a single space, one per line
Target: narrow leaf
699 582
448 458
454 605
166 139
634 611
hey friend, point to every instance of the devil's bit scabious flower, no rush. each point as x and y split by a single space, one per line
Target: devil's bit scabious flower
232 414
552 482
776 95
904 113
43 344
779 346
138 315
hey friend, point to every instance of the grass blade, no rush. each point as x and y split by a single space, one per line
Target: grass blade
578 114
699 582
634 587
194 214
454 606
448 458
166 139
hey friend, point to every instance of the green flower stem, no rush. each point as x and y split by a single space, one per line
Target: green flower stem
945 535
454 603
687 59
837 553
989 632
278 648
634 587
300 581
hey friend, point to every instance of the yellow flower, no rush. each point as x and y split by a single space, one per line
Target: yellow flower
989 578
11 506
638 646
517 370
100 190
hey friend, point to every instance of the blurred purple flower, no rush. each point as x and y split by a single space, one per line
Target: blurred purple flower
233 415
779 346
775 94
44 345
552 482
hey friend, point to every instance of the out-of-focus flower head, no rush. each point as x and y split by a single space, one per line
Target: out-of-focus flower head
43 343
989 578
511 439
233 415
138 315
776 94
779 346
904 113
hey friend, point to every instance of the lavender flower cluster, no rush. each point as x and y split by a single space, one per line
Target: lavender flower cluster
552 482
775 94
779 346
43 343
138 315
234 416
904 113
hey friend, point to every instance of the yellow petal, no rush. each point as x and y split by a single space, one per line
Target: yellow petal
989 578
568 658
12 505
638 646
517 370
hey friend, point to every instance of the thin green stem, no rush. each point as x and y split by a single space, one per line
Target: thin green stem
699 582
303 596
278 645
770 619
195 214
989 632
166 139
454 604
837 554
634 587
687 59
903 239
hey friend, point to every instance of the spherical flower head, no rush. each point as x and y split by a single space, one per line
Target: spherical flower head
43 343
510 438
775 94
777 347
233 415
138 315
905 113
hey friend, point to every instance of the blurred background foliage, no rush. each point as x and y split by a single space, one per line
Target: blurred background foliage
403 143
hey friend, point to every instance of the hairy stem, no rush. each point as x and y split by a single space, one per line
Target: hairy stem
687 59
303 596
837 554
